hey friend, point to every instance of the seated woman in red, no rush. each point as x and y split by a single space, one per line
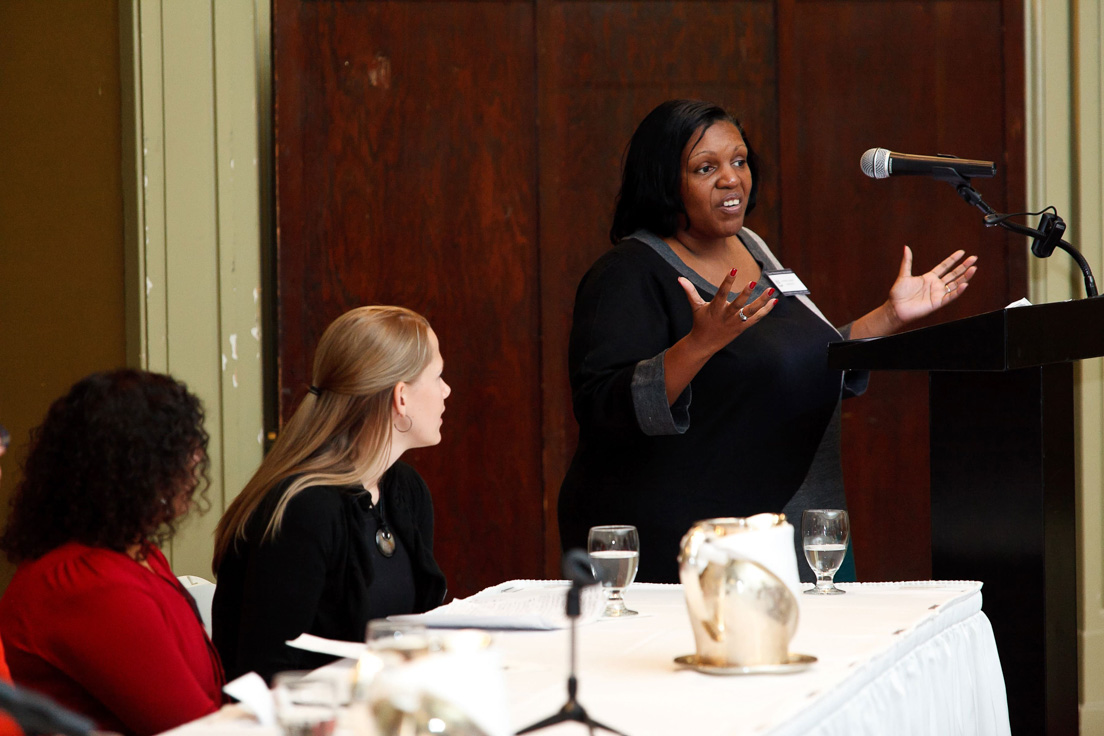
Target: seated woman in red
94 617
8 727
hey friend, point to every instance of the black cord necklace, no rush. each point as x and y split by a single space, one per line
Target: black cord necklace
385 540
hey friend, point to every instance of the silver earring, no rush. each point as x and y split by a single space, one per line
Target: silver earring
409 424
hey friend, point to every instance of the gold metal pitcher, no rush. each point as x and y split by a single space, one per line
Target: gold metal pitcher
742 613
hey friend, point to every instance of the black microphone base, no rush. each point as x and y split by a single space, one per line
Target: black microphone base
571 711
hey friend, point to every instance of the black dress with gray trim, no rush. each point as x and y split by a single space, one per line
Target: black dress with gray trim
757 430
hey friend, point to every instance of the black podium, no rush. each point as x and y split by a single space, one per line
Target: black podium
1002 481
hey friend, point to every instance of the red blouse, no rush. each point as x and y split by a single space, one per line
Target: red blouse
108 638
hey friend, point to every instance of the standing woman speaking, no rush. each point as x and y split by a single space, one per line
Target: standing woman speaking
698 370
333 530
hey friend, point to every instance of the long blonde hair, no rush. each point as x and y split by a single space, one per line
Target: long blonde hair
343 434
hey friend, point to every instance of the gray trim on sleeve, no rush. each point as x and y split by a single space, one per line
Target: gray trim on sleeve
649 393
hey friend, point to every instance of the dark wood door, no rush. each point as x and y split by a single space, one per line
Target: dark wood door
406 174
460 157
917 77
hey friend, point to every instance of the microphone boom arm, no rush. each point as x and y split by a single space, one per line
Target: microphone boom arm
1046 238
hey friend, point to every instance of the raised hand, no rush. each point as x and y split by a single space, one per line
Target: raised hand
912 297
718 321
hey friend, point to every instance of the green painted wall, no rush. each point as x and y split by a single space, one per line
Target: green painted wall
131 216
61 210
194 83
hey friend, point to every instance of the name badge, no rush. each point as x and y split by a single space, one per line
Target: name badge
787 282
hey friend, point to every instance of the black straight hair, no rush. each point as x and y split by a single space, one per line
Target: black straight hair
651 196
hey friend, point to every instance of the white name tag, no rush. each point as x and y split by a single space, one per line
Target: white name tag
787 282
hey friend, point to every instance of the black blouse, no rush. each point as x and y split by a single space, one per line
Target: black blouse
740 440
322 573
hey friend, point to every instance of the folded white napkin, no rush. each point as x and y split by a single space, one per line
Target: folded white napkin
335 647
255 696
771 546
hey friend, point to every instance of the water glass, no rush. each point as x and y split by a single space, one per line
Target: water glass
407 640
615 557
306 703
824 535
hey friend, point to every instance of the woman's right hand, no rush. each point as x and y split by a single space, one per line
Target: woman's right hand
716 323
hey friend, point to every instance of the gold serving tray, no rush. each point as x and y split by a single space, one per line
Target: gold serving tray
796 663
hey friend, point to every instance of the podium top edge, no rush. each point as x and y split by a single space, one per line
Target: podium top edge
1001 340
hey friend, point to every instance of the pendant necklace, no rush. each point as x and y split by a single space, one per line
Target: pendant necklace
385 540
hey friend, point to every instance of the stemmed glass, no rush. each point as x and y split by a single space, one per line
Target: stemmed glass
615 556
824 534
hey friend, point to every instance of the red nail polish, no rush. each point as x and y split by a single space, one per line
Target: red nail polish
770 291
751 285
732 273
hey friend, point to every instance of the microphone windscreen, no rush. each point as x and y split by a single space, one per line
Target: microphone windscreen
577 568
875 163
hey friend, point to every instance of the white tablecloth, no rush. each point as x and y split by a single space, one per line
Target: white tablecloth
892 658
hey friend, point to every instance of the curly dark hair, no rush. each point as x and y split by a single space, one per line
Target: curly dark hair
651 177
110 466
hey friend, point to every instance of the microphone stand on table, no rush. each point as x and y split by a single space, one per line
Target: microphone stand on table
577 569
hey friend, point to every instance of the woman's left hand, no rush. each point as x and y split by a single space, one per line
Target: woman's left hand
912 297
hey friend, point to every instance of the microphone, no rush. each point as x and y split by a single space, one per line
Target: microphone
880 163
577 568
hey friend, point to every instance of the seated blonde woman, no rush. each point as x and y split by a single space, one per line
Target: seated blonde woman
333 530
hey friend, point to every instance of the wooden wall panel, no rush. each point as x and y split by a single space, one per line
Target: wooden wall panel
603 66
406 173
915 77
462 157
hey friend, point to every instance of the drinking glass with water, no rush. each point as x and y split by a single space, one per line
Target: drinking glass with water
306 703
615 556
824 534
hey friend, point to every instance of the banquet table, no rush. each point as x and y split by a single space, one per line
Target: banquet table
894 658
891 658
